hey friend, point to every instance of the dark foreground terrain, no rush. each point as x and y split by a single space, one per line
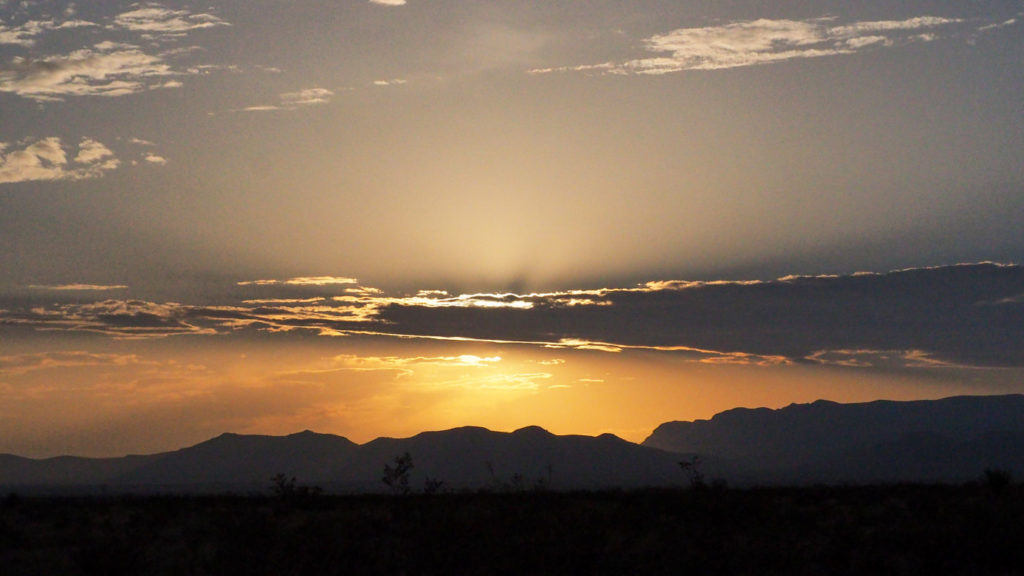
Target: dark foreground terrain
912 529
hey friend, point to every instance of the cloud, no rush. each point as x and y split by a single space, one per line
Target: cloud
294 100
119 318
392 82
153 17
154 159
18 364
964 315
763 41
47 159
997 25
307 97
26 34
106 69
303 281
388 2
79 287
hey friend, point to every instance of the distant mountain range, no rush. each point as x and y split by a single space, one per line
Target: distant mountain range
950 440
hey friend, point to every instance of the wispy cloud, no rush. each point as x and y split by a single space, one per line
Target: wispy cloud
79 287
388 2
294 100
19 364
26 34
764 41
153 17
47 159
303 281
997 25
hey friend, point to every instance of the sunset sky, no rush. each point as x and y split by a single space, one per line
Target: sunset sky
375 218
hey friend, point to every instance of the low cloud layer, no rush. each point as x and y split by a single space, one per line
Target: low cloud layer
965 315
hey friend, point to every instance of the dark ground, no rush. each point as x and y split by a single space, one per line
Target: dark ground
972 529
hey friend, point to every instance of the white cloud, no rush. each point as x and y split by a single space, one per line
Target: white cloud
156 18
26 34
764 41
998 25
388 2
155 159
393 82
307 97
106 69
294 100
47 159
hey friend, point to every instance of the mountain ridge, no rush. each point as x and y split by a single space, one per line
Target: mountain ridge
948 440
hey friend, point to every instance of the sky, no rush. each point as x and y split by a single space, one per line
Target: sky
375 218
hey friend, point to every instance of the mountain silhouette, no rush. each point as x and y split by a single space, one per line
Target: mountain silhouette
468 457
948 440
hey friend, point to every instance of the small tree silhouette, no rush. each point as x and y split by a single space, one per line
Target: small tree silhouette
693 472
282 486
997 480
397 478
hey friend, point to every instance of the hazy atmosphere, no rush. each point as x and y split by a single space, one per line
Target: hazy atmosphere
375 218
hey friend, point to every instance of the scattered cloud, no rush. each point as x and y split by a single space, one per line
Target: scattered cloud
392 82
388 2
47 159
764 41
912 318
103 67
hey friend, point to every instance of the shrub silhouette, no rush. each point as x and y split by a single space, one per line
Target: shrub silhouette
286 488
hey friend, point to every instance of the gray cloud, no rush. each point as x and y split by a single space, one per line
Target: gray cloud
965 315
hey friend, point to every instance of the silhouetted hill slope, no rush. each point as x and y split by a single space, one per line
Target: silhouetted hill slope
952 439
462 457
245 459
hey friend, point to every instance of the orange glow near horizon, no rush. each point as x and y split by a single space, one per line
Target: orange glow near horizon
367 389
